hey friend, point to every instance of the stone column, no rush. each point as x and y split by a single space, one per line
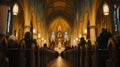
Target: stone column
26 16
3 18
15 26
93 32
93 22
34 25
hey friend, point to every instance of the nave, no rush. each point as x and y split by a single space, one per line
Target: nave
58 62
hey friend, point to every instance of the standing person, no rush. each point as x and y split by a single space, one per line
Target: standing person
102 40
82 44
11 53
27 43
4 62
12 43
89 44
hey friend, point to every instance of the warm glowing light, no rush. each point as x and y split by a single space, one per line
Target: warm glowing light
42 39
34 31
106 9
39 35
15 9
85 31
76 39
80 35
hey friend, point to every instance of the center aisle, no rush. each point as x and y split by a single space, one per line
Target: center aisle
58 62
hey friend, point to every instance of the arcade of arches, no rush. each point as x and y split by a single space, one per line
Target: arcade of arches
68 18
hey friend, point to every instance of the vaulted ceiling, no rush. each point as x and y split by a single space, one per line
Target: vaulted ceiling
59 8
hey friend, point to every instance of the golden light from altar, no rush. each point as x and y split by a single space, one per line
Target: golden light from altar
15 9
59 24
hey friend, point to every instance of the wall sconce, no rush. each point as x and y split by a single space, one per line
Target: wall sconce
76 39
44 41
80 35
39 35
15 9
34 31
85 31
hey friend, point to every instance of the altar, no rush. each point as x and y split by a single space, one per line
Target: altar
59 40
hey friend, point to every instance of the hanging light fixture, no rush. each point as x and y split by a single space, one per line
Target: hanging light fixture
105 9
15 9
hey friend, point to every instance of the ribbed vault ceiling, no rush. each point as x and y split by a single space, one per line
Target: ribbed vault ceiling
56 8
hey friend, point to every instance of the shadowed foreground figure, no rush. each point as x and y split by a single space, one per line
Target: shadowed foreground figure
27 43
4 62
12 53
81 44
102 40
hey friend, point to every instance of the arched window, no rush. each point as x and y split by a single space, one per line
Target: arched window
53 36
66 36
9 21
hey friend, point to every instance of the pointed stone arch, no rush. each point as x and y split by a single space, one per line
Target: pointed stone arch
59 21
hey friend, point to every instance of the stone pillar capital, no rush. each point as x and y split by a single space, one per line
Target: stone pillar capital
26 29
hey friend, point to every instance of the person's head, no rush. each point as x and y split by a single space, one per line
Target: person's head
28 35
12 37
104 30
45 45
89 41
82 38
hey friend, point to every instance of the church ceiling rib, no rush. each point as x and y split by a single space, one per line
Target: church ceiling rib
55 8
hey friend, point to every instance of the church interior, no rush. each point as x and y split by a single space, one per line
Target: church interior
57 28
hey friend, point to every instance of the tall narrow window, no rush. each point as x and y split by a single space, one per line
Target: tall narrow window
115 18
9 21
118 14
66 36
53 36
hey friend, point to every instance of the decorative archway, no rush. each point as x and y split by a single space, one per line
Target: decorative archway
59 33
59 22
